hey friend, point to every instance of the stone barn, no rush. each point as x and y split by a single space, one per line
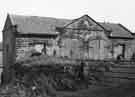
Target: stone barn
23 35
84 38
81 38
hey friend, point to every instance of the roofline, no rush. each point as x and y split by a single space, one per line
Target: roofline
7 17
97 23
126 29
116 37
41 35
88 17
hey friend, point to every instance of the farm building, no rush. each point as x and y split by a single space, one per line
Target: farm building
85 38
81 38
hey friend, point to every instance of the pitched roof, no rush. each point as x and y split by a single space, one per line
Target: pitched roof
35 24
117 30
44 25
88 21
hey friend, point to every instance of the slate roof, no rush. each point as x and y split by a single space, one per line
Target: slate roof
44 25
36 24
117 30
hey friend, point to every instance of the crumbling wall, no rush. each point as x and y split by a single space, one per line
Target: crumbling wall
26 46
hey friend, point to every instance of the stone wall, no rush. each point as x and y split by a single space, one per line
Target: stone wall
25 46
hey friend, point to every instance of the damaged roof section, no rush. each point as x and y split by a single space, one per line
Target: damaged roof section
47 25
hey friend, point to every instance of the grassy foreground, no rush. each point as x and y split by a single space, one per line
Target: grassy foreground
46 77
92 91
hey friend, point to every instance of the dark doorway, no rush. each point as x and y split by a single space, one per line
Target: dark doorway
44 49
123 50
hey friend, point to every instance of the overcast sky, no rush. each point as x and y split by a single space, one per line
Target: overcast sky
116 11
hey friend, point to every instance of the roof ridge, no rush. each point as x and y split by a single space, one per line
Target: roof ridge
37 16
85 15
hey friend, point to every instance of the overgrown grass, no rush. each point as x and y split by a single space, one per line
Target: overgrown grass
44 76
